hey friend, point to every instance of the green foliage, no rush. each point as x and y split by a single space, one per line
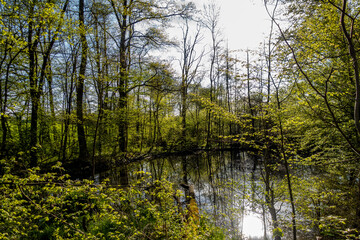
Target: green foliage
278 232
51 206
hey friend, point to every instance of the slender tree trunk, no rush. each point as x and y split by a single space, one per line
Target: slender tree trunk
287 171
52 106
4 135
99 86
353 55
209 123
3 104
32 46
123 98
83 152
288 176
249 92
183 109
228 95
269 194
68 109
263 208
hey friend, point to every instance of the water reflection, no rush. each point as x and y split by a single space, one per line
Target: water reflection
252 226
226 187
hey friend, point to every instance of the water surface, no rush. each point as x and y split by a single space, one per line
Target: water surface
227 187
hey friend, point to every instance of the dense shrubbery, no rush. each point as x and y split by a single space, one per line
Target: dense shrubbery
51 206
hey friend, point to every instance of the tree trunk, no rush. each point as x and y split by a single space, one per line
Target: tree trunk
52 106
123 95
183 109
269 194
32 45
83 152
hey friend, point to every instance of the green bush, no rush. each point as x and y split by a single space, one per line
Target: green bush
50 206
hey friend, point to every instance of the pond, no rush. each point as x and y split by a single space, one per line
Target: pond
227 187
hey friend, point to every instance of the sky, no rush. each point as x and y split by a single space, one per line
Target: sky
244 23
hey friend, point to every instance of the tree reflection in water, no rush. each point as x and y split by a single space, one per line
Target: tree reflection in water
226 184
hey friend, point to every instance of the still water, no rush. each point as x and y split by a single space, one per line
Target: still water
227 187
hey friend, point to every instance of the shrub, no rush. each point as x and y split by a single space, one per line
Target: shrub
51 206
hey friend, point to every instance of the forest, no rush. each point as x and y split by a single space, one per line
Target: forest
91 86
